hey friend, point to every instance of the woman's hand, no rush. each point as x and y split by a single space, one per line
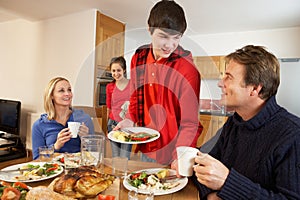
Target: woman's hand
62 137
83 130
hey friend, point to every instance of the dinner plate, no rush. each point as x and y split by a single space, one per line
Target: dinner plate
10 176
182 183
57 159
135 130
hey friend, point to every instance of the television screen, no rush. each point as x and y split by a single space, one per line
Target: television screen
10 113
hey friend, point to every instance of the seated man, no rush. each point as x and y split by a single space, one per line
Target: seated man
258 153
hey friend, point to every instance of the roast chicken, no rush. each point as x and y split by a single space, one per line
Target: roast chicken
83 182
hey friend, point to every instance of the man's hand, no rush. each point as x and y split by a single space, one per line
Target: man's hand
123 124
210 172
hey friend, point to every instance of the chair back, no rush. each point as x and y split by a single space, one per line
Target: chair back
98 115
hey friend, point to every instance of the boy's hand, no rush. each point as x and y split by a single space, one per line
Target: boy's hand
123 124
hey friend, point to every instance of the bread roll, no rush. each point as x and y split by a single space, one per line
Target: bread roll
45 193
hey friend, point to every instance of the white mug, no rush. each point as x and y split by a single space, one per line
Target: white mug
186 160
74 128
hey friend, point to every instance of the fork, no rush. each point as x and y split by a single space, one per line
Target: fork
129 132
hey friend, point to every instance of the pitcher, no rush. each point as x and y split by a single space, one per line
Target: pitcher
92 150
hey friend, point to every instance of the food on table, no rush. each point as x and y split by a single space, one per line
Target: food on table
135 137
106 197
61 160
143 180
163 173
83 182
36 171
13 191
45 193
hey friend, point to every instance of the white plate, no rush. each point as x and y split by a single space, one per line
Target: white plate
182 183
10 177
56 159
135 130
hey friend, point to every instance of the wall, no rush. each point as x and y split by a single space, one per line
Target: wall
288 94
68 47
31 53
19 61
282 42
279 41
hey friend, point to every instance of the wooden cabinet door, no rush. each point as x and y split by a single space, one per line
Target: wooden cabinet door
210 67
109 39
211 124
205 122
110 36
222 66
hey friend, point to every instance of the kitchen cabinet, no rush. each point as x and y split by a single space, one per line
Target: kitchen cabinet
211 124
210 67
110 36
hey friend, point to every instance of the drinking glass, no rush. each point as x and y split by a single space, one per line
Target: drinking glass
119 166
92 150
46 153
71 160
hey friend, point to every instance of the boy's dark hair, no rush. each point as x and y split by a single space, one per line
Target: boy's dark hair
168 16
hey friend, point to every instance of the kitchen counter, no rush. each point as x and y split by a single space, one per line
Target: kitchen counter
215 112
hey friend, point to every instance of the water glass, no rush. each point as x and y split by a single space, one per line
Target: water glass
92 150
71 160
119 166
46 153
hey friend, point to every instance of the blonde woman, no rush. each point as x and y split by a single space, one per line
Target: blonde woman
51 128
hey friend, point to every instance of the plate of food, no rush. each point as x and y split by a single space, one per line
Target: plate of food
156 180
30 172
16 190
60 159
134 135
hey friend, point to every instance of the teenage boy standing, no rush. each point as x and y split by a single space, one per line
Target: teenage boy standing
165 87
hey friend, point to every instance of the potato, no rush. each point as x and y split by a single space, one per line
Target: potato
116 134
121 137
163 173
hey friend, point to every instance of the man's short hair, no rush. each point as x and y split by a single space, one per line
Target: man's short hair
261 68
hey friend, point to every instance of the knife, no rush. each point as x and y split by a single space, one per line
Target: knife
169 178
16 170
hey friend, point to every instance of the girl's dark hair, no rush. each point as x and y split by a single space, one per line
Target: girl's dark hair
168 16
121 61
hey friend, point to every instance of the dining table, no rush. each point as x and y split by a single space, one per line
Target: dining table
189 192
